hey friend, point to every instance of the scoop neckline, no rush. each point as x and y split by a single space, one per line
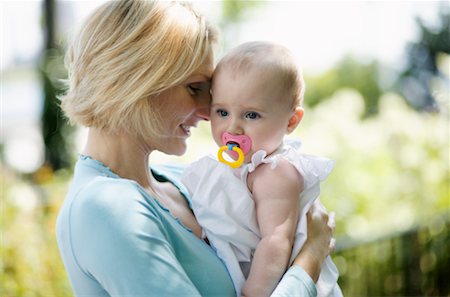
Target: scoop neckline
158 176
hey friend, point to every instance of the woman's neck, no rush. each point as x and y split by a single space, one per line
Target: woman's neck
122 153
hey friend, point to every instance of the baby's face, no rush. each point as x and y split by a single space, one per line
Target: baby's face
247 104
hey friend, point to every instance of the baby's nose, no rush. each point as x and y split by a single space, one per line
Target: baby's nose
235 128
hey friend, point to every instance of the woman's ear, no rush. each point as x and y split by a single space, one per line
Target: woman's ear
295 119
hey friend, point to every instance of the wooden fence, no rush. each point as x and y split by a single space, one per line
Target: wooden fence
414 263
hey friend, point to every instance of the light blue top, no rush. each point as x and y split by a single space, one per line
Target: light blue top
116 240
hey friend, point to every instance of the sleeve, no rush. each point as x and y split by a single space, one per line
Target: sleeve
122 244
295 282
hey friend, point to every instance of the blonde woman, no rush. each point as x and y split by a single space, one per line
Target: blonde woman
139 79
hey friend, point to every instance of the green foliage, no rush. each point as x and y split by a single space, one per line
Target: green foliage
422 71
347 73
233 10
409 264
387 166
416 82
30 264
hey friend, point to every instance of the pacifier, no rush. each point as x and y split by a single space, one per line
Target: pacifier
237 145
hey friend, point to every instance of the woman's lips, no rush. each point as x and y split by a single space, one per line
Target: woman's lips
186 129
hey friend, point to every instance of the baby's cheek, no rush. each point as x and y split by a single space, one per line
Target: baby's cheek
217 138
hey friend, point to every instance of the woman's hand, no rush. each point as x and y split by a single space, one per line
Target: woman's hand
320 241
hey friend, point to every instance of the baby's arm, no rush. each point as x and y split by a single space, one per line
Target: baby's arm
276 193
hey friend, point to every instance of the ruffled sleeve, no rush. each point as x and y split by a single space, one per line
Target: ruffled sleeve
313 169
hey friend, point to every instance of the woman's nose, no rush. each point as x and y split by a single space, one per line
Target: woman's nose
203 106
203 113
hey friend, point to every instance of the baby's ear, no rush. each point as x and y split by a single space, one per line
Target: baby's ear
295 119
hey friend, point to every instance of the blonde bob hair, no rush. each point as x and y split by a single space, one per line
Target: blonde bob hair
128 52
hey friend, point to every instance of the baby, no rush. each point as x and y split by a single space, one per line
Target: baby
255 215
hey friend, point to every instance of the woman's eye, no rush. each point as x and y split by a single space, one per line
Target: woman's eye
222 113
197 88
252 115
194 90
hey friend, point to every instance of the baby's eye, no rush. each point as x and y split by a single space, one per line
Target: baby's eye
252 115
222 113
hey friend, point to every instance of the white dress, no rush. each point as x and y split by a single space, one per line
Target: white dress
224 208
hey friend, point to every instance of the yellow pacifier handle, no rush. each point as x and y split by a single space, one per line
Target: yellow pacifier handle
234 164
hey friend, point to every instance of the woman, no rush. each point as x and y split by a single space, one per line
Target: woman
139 77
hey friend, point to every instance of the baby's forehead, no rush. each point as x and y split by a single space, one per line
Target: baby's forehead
251 87
265 67
257 73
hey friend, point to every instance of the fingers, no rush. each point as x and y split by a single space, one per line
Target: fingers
318 206
317 210
318 213
332 221
332 244
332 225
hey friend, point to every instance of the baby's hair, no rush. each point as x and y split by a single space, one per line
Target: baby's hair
127 52
274 61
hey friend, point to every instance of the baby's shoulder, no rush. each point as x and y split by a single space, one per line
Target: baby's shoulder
283 174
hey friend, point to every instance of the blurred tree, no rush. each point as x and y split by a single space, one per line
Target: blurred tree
348 73
421 68
414 83
55 130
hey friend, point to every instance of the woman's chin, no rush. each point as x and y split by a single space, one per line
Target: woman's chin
177 151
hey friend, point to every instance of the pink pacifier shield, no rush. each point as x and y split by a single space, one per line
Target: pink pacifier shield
244 142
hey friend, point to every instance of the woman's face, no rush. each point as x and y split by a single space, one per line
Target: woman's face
182 107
